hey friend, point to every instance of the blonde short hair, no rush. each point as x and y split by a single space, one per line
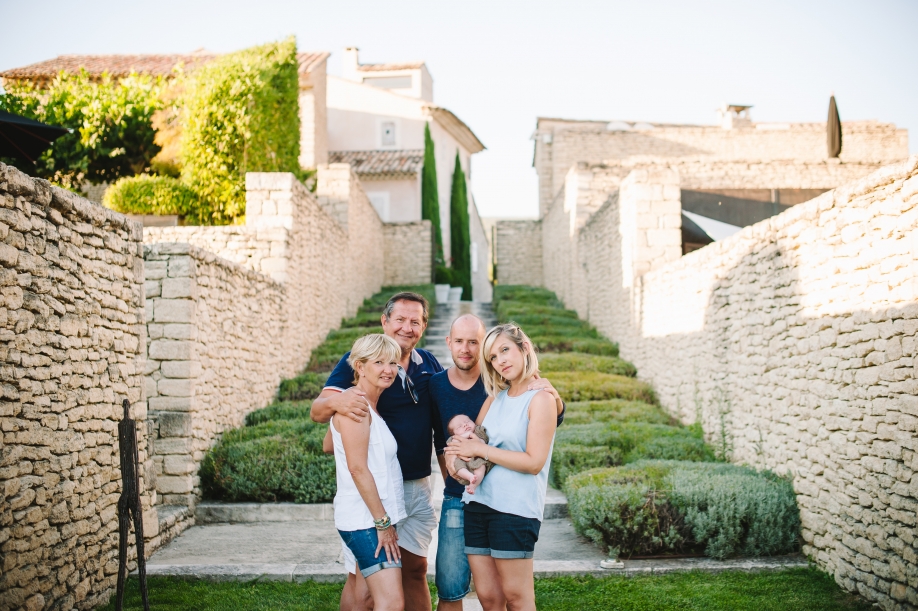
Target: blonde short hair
493 381
373 347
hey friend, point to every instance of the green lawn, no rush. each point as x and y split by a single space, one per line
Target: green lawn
796 589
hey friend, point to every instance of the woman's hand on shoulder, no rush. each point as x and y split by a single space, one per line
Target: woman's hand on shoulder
540 383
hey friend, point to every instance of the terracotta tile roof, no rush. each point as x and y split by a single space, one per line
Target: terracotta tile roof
381 164
123 65
116 65
385 67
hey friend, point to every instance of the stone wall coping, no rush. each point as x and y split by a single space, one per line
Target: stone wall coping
830 199
204 256
40 191
637 161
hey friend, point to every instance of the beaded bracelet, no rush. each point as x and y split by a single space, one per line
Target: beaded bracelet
383 523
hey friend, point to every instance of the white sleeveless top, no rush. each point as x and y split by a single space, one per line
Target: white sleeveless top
351 513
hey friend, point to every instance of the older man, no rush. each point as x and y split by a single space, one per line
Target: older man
459 390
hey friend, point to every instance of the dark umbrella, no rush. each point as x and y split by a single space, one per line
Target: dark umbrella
25 138
833 129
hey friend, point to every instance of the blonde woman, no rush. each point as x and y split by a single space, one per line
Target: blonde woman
370 498
503 518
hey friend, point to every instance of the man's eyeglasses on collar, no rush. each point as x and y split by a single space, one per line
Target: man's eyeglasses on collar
407 384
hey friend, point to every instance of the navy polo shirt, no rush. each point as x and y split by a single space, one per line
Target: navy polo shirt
410 422
448 402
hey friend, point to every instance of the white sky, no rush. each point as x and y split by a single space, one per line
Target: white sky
500 64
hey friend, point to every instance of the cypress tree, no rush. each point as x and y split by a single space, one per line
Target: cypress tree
430 201
460 240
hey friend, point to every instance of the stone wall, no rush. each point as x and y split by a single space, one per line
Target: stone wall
794 342
561 144
247 306
408 253
72 334
216 349
519 252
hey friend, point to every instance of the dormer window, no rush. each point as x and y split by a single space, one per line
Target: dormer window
387 133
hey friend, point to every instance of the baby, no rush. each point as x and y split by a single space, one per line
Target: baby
470 473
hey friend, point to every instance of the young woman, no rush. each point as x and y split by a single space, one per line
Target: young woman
370 497
503 518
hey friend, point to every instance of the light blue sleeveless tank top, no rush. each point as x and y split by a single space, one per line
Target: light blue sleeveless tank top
521 494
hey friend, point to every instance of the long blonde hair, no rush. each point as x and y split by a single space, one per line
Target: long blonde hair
371 347
493 381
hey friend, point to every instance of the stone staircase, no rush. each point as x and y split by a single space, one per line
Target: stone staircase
444 315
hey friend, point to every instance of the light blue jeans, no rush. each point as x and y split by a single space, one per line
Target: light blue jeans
454 577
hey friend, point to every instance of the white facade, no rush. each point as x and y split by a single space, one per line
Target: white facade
385 107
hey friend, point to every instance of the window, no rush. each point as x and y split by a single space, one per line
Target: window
387 133
474 257
380 201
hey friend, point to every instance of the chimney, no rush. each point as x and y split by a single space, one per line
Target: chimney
734 116
351 62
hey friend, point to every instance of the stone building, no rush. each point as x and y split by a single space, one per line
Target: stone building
795 339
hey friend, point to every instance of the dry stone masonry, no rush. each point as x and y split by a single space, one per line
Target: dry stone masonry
205 315
195 326
794 342
71 327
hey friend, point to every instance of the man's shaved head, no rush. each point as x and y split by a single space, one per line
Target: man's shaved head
464 341
467 322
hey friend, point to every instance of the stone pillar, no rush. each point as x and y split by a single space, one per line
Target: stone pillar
333 190
270 207
650 204
172 367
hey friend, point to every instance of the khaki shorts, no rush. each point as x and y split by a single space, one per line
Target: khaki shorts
415 532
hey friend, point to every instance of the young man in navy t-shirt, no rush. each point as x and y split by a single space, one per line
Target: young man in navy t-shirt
459 390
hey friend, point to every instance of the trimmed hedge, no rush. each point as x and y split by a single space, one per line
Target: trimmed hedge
585 412
285 410
653 507
550 327
579 447
273 460
307 385
578 361
146 194
367 320
595 386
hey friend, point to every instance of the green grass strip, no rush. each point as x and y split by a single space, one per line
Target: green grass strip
805 589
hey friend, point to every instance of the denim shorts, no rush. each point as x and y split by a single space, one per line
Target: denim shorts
500 535
454 578
362 544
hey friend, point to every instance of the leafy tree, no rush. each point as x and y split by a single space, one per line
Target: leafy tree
430 200
241 114
460 240
112 135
